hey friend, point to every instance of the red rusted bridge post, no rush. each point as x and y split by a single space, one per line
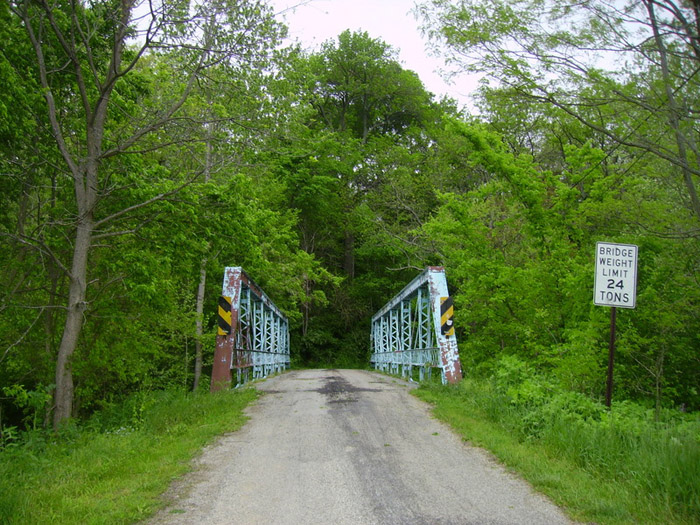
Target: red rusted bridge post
252 336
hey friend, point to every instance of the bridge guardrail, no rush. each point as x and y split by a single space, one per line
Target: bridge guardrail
253 334
415 330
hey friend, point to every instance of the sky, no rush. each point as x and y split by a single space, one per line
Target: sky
313 22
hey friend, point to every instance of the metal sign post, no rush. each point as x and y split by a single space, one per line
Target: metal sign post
615 286
611 358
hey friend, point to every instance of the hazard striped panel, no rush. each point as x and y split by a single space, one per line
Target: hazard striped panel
447 327
224 319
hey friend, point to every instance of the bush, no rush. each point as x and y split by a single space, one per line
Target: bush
658 459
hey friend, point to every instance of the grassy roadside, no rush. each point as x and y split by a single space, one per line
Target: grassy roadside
114 468
613 491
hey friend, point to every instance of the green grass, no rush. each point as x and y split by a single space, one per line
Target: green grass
114 468
610 470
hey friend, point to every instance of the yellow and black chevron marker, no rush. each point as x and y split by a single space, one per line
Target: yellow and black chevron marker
224 315
447 310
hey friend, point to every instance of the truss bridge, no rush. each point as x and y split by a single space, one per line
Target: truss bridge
414 332
253 334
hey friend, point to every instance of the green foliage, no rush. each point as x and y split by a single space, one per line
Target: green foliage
517 231
518 243
651 466
333 177
98 471
34 403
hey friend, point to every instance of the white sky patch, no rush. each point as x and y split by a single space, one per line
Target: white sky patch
312 22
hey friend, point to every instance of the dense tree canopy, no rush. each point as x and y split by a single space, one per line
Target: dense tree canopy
141 152
602 97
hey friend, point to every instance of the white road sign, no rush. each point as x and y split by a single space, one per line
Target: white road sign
615 275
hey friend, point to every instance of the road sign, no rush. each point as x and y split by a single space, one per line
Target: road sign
447 327
224 318
615 275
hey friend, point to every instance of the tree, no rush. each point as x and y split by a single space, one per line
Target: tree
625 70
360 93
95 51
352 146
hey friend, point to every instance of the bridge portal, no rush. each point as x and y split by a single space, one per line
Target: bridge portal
253 334
415 329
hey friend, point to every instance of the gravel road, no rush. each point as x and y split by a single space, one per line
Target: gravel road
348 447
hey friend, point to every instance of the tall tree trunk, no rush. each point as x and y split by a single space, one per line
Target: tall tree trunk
63 396
199 323
674 112
202 266
306 306
349 259
365 118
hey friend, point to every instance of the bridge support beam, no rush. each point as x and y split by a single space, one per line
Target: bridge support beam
253 334
415 330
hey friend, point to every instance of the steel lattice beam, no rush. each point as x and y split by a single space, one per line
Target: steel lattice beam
414 330
258 338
